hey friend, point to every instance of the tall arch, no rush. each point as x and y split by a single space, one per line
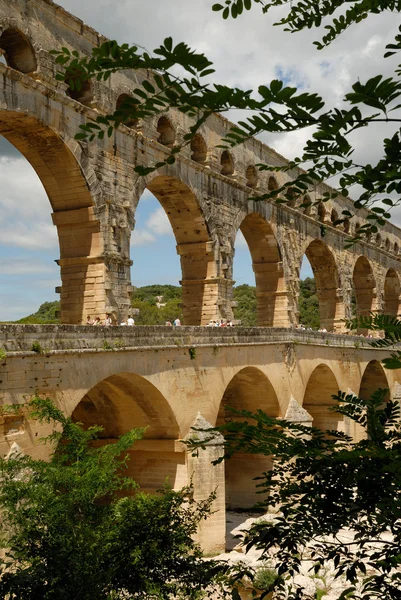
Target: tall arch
79 234
373 378
271 294
321 386
125 401
249 389
331 307
200 284
364 288
18 51
392 293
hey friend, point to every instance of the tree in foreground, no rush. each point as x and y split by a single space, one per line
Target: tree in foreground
339 501
76 528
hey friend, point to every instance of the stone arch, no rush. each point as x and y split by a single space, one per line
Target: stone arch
271 294
83 95
68 191
272 183
124 101
321 386
334 217
396 248
321 212
227 163
387 245
346 225
18 50
251 175
373 378
379 240
392 293
249 389
291 196
198 148
331 307
125 401
307 205
166 132
357 227
364 288
194 246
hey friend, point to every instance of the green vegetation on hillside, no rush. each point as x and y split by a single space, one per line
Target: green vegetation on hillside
309 304
145 299
48 312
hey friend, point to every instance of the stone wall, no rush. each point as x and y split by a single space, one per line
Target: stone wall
94 192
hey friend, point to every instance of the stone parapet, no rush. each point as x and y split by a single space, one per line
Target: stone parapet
20 338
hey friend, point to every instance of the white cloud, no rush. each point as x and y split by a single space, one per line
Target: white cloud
141 237
159 224
25 211
23 266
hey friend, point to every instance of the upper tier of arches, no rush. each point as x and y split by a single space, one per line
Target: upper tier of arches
21 53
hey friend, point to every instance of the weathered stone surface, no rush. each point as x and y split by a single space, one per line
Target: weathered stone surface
94 192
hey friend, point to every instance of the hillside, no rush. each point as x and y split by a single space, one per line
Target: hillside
160 303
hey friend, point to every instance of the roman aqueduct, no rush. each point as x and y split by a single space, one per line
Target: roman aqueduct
147 377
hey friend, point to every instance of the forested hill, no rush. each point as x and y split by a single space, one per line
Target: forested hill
160 303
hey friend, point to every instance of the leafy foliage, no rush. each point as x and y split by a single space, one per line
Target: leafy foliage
272 108
76 527
323 482
309 304
391 326
48 312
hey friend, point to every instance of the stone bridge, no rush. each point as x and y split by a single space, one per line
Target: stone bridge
94 192
168 379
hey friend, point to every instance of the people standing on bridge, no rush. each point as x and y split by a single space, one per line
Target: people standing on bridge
108 321
177 322
130 321
97 321
89 320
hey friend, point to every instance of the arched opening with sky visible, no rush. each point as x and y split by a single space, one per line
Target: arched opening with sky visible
364 288
126 401
271 294
169 213
37 167
319 305
249 389
318 401
373 378
392 293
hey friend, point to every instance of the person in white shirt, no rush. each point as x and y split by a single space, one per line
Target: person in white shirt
130 321
177 322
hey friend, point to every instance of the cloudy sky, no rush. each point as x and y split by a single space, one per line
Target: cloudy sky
247 52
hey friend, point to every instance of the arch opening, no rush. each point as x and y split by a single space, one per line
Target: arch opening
307 205
321 212
83 95
373 378
123 105
334 217
250 390
271 293
392 293
272 184
364 289
166 132
126 401
318 401
251 177
70 198
227 163
18 51
325 272
198 149
180 214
